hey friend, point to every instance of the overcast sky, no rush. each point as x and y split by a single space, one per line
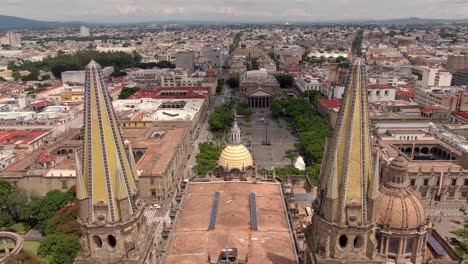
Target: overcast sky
230 10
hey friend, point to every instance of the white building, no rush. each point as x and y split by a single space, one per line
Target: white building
85 32
308 83
436 77
380 92
12 39
332 91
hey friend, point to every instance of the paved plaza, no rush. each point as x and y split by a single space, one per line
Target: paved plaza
280 135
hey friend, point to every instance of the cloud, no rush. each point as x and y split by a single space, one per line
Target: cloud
225 10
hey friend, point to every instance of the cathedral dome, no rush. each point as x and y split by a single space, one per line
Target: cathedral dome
235 157
400 209
399 206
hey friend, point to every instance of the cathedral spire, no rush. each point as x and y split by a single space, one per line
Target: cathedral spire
109 173
348 170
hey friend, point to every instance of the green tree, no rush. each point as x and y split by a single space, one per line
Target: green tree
284 80
16 75
16 203
221 119
233 82
165 64
340 59
45 77
59 248
5 190
2 79
42 209
356 46
128 91
276 108
243 109
207 158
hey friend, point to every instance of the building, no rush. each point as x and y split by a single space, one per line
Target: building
248 219
401 218
258 88
85 31
289 54
460 77
343 225
380 92
185 60
215 56
435 77
111 210
308 83
235 161
357 220
11 39
456 62
451 98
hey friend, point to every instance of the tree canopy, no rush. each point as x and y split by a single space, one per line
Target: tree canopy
221 119
207 158
128 91
78 60
284 80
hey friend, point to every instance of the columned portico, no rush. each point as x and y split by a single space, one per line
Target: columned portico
259 102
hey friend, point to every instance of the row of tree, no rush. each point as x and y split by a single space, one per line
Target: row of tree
128 91
311 127
356 46
207 158
221 119
77 61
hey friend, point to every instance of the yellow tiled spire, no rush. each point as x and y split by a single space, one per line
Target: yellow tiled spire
81 187
347 175
104 157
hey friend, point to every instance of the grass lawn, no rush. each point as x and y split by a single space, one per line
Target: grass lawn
31 247
19 228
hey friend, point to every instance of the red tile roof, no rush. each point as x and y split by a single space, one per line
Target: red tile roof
380 86
331 103
20 136
462 115
45 157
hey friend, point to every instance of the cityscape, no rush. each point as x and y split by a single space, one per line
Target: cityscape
233 132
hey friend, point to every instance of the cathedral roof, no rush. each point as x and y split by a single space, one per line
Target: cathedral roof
347 175
399 206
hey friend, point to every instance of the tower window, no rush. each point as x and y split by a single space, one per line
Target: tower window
426 182
112 241
97 240
413 182
358 242
343 241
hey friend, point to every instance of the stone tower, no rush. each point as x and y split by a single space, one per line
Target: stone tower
114 228
343 225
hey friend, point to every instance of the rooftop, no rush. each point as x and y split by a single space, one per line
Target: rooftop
20 136
193 242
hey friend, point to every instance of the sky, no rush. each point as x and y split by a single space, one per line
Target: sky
231 10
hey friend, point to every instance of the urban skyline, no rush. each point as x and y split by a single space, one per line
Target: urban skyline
126 11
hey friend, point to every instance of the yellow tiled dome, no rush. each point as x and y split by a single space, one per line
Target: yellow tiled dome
235 157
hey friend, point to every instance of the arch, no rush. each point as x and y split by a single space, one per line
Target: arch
358 242
70 151
97 240
343 241
408 150
425 150
111 241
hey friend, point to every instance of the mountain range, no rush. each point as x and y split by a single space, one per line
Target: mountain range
13 22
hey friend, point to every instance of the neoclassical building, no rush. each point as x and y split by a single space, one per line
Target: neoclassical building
402 226
258 88
235 161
